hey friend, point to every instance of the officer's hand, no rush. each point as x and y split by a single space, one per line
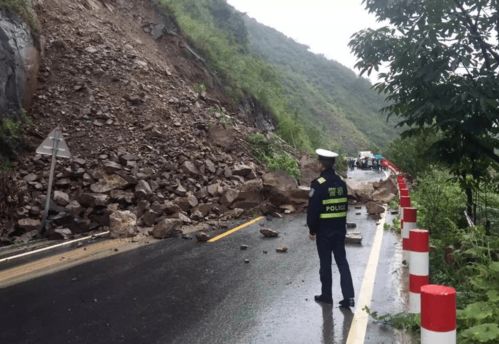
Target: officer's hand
311 236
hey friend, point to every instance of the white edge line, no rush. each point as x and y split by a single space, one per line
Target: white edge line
358 327
52 247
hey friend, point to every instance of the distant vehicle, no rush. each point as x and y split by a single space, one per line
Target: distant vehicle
368 161
366 154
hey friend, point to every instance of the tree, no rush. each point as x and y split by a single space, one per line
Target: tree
439 62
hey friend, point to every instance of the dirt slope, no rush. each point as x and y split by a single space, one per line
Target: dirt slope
149 145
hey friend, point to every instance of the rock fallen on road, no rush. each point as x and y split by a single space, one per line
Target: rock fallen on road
165 228
202 237
243 247
247 261
269 233
374 208
353 238
122 224
282 249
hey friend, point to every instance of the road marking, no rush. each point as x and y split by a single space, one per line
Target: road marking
48 248
233 230
358 328
64 260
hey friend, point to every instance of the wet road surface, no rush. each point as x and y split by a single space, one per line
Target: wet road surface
180 291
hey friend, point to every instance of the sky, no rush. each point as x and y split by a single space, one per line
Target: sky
324 25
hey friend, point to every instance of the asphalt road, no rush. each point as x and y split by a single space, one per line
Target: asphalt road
181 291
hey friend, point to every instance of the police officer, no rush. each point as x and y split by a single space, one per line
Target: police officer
326 220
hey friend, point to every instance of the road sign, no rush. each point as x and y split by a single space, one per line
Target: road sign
55 146
54 143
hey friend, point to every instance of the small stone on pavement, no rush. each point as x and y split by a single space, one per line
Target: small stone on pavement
282 249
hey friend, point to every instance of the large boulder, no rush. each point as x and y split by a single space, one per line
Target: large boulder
385 190
122 224
166 228
278 186
310 169
222 137
229 197
361 192
250 195
374 208
281 188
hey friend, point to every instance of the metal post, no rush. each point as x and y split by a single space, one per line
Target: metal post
51 180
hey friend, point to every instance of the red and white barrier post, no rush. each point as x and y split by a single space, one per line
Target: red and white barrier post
404 192
438 314
409 217
419 269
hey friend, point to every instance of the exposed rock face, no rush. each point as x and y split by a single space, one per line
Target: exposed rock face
19 58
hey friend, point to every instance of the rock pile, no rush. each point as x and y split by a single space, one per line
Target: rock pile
150 154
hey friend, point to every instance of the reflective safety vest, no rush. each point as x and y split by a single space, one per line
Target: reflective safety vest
335 205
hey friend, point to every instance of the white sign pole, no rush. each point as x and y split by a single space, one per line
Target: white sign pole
55 145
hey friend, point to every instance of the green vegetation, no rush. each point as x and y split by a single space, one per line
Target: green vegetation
438 189
418 147
270 152
440 72
466 258
334 101
22 8
10 133
315 102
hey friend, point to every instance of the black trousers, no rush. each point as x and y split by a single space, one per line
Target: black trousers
334 241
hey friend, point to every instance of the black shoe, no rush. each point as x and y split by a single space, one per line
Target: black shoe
323 299
347 303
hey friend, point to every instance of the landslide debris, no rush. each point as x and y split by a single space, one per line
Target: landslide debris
153 152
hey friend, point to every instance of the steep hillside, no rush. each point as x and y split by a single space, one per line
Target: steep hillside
153 151
323 89
314 101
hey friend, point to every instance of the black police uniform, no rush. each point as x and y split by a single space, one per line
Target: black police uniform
326 218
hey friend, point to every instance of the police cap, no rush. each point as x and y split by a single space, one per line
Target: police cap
325 154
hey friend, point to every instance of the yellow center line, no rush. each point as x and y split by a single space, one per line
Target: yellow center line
233 230
358 328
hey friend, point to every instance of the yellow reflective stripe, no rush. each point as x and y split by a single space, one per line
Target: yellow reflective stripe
321 180
333 215
335 201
